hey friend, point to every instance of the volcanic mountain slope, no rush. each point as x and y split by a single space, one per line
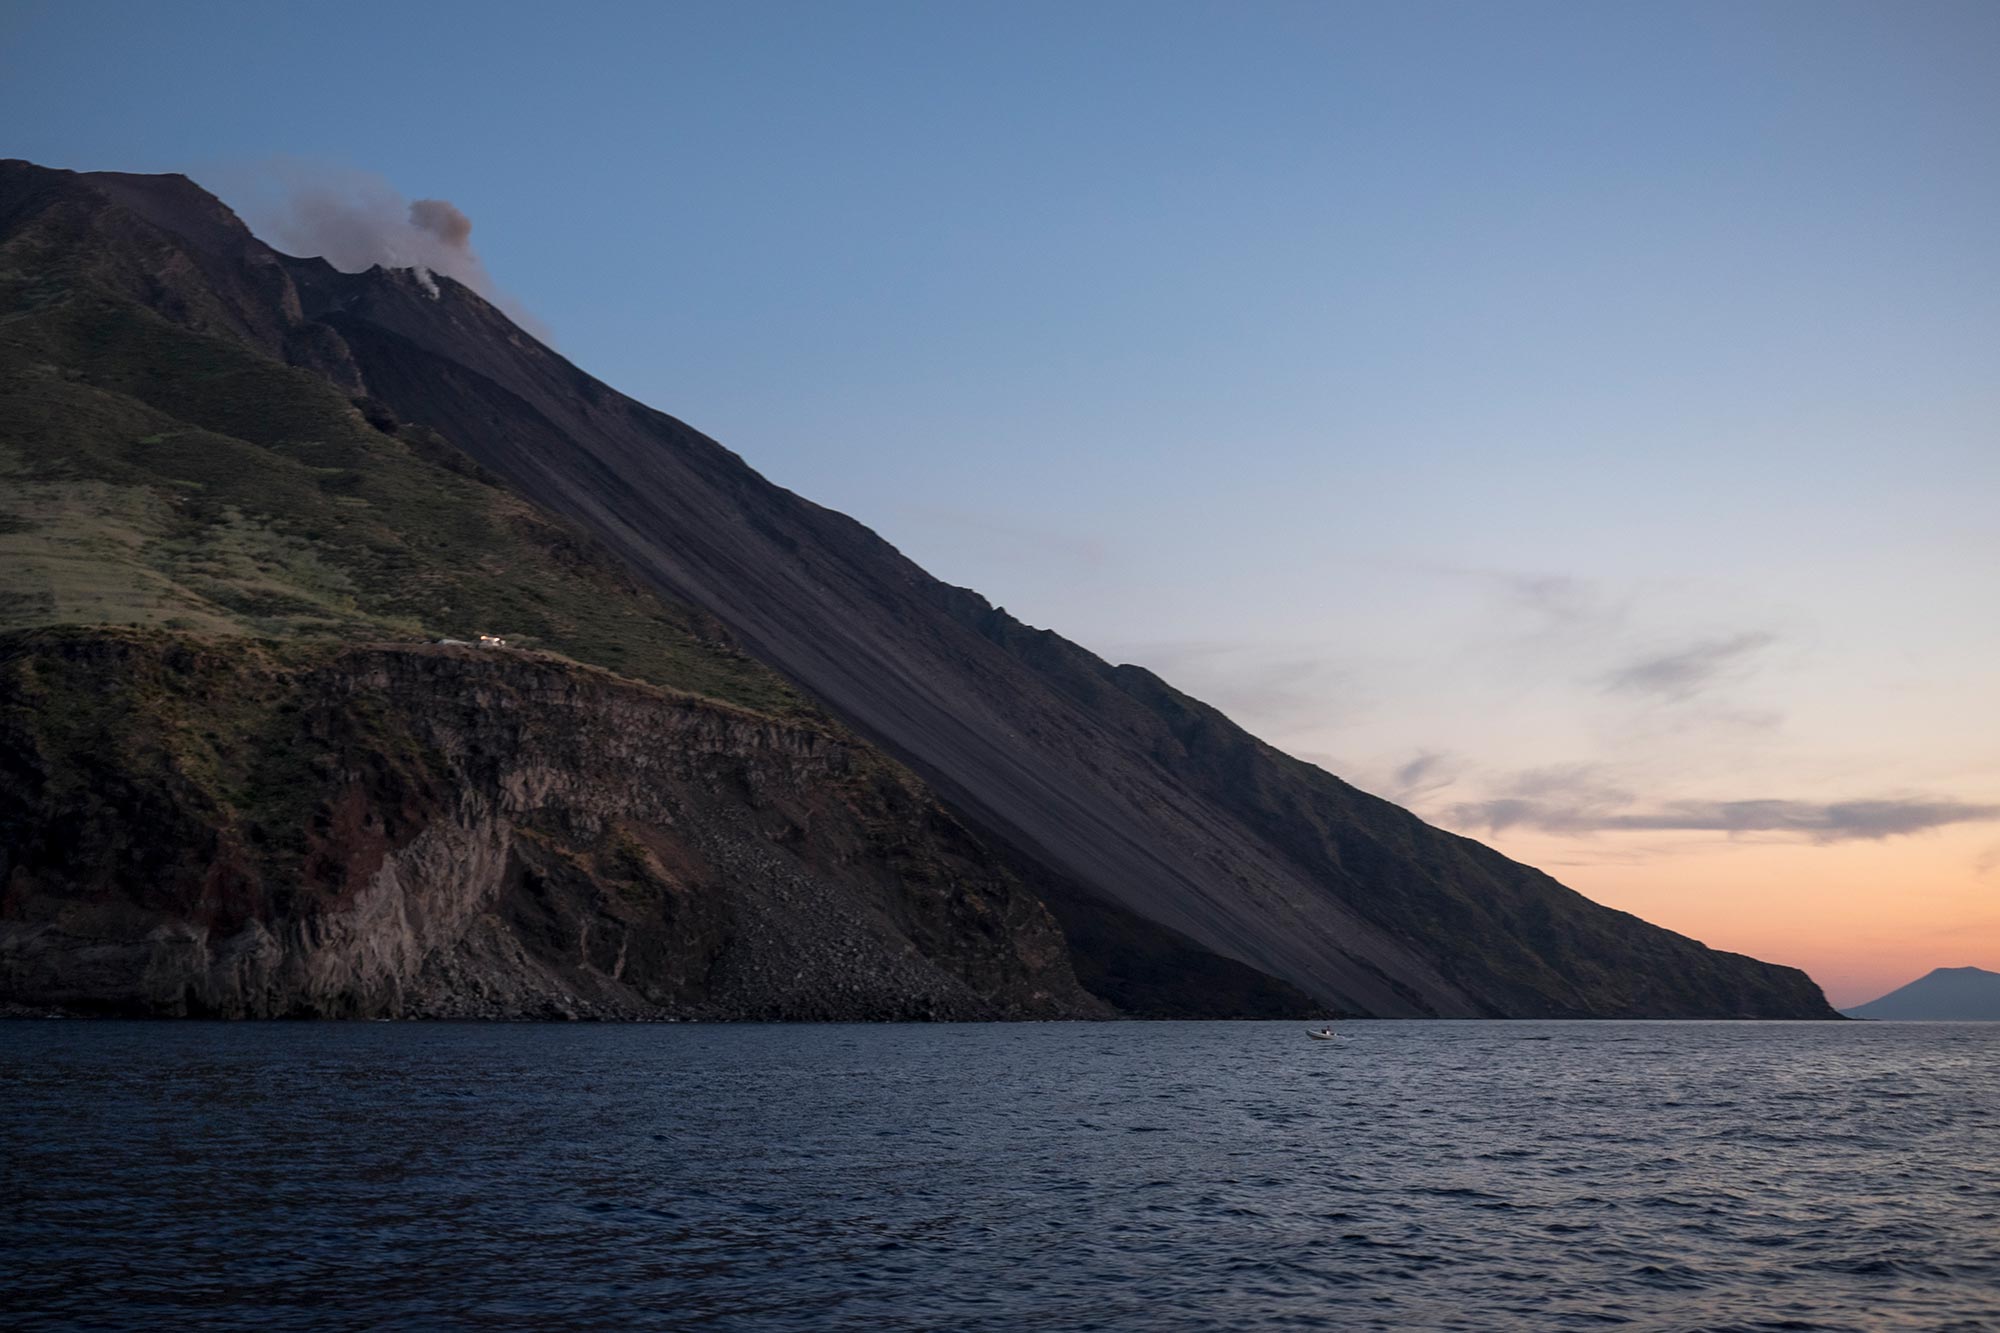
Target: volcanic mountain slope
1143 818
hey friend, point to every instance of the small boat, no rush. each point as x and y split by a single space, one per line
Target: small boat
1324 1034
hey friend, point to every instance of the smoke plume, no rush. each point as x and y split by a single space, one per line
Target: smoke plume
355 220
442 219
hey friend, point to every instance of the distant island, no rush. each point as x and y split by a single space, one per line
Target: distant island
1961 994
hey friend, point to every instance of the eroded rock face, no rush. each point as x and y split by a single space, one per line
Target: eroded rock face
240 829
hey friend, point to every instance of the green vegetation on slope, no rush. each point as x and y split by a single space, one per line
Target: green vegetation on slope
154 476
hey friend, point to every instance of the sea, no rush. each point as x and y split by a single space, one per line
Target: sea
1239 1176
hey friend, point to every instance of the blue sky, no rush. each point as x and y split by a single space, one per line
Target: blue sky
1577 420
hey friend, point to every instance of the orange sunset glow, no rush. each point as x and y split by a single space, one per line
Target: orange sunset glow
1861 918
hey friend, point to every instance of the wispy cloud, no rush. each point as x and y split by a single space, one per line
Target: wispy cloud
1271 689
1561 604
1572 796
1682 673
1002 537
1556 598
1608 811
1430 772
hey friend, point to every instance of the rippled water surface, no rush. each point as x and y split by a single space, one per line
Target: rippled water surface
1148 1176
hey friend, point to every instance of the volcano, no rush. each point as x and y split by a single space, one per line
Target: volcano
1189 868
1944 994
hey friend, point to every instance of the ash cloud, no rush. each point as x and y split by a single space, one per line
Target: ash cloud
356 220
441 218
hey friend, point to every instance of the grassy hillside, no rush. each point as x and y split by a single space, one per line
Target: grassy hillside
154 476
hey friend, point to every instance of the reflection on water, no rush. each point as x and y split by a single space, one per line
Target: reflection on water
1160 1176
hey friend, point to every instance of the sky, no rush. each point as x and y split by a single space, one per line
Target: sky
1578 422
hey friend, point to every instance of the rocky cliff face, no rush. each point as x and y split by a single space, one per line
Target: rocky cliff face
246 829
